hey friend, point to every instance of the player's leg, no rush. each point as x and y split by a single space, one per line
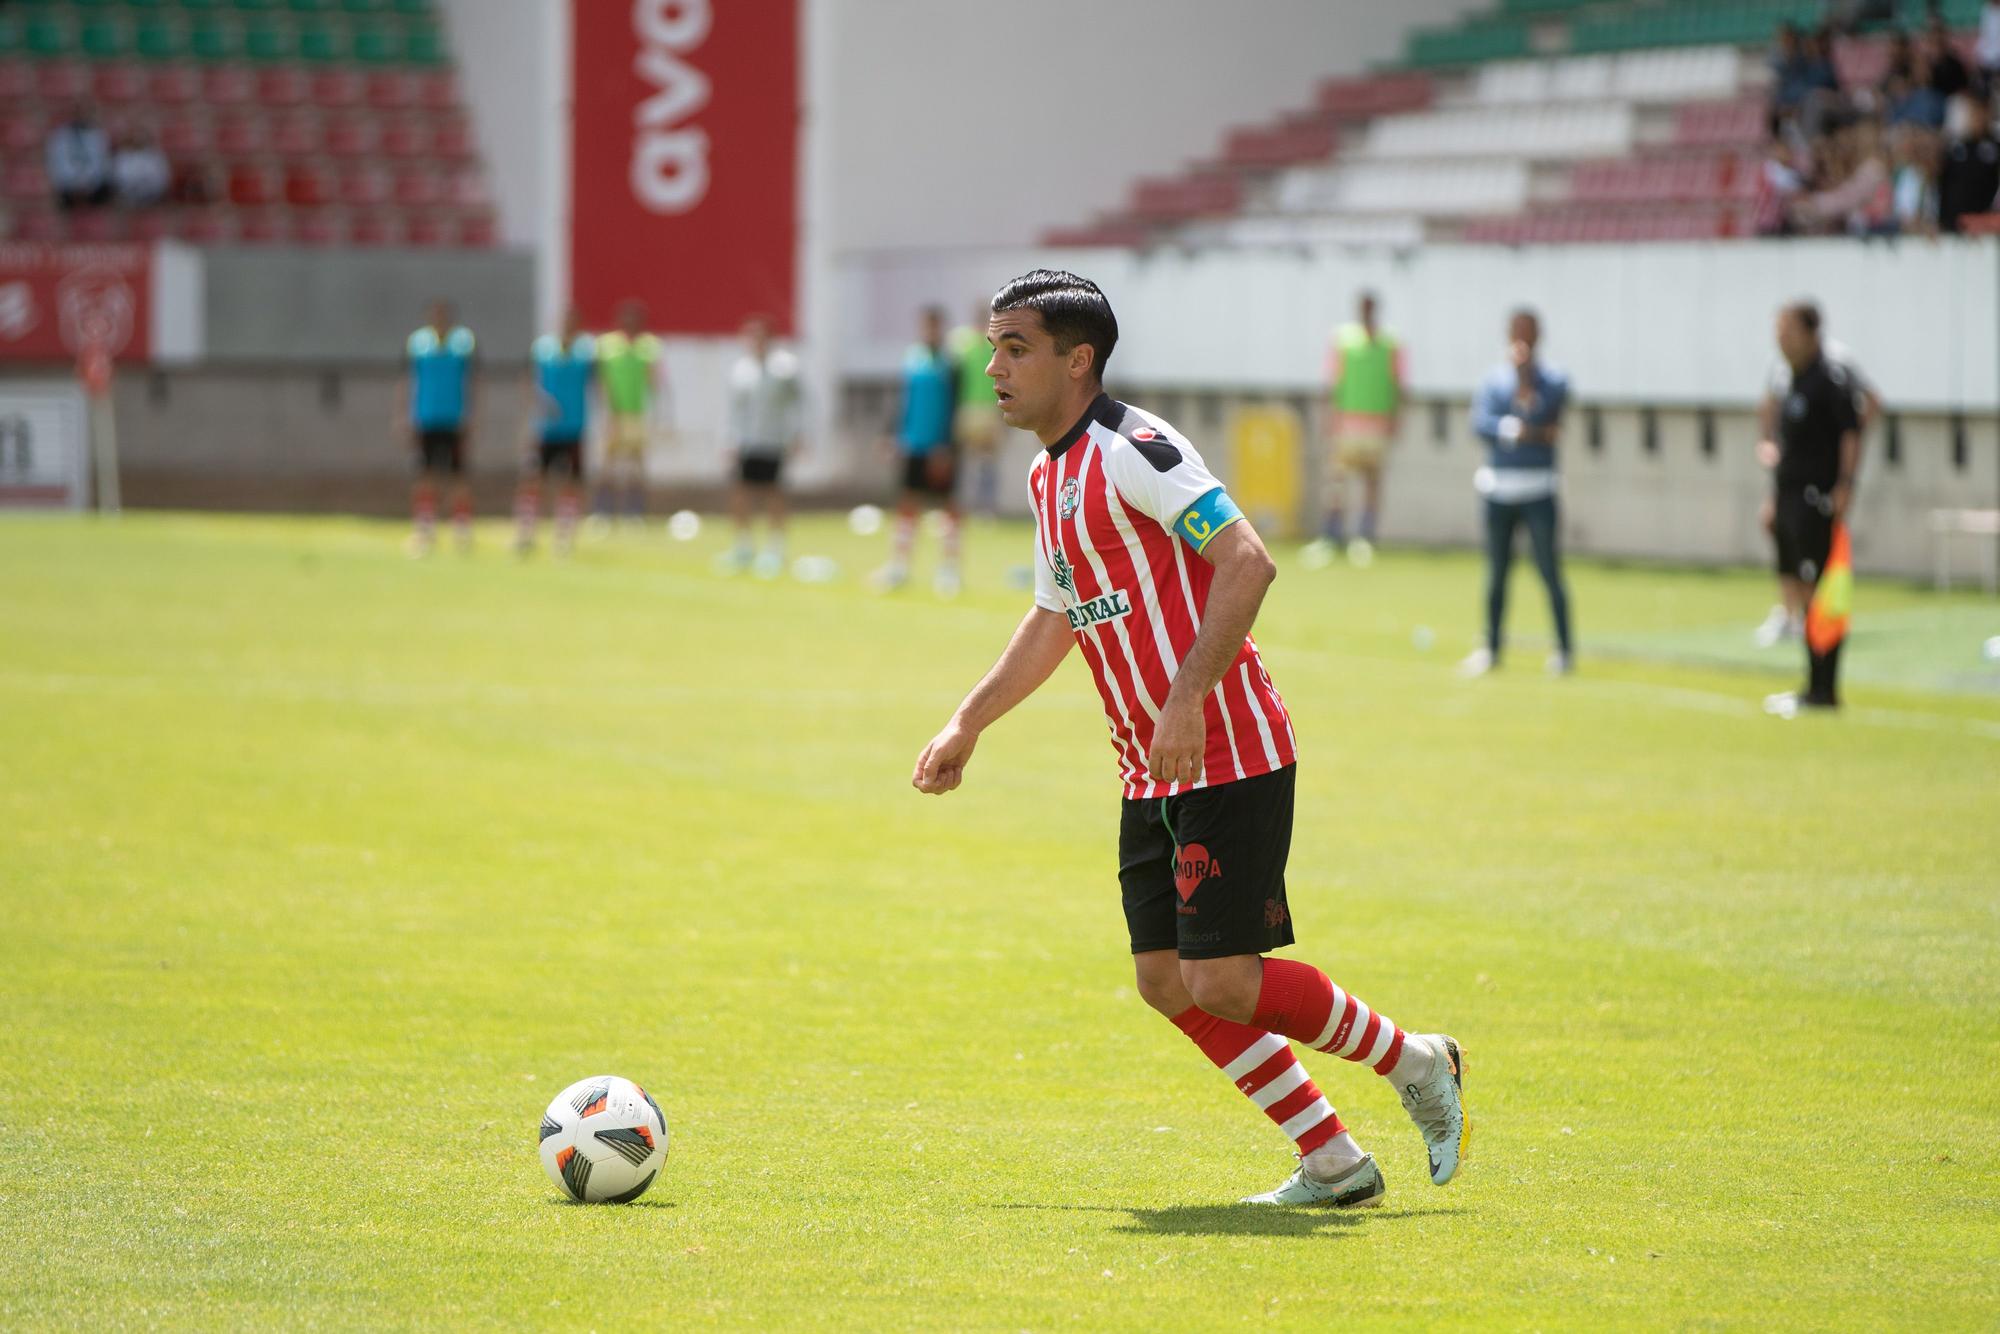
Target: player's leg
1231 846
1371 499
941 484
1261 1064
423 500
903 533
1816 544
1544 520
775 521
569 497
461 494
739 517
528 499
1334 530
1500 520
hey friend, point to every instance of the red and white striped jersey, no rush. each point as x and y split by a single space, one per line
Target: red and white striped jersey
1109 501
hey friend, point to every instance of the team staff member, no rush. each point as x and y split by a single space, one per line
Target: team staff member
558 387
631 368
434 404
922 440
1518 412
1364 377
1819 448
1788 618
1144 563
976 423
764 424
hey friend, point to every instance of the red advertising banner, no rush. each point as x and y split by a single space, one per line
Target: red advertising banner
61 302
683 160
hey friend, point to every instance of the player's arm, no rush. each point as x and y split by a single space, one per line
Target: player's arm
1549 431
1243 571
1040 643
1767 430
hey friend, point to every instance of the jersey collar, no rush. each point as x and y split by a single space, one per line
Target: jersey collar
1103 409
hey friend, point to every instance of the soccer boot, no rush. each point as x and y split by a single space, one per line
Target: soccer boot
1359 1187
1438 1108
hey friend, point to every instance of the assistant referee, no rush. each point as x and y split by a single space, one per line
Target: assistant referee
1819 448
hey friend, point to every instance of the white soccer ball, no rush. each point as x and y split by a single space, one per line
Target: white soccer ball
604 1139
684 526
865 520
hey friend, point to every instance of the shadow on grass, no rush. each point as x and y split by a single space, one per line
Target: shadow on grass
1232 1220
564 1202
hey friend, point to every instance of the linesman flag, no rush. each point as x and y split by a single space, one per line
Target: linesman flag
1833 597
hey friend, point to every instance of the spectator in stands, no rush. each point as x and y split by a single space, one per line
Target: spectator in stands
1859 201
1790 83
1906 94
1949 77
140 176
1988 49
1969 178
1779 183
1517 410
77 155
1915 191
1364 381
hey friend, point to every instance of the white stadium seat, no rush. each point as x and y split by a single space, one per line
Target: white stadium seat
1588 129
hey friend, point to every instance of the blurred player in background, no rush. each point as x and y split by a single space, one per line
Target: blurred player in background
1787 619
434 404
1819 450
1145 564
976 425
1364 376
764 424
1518 411
631 368
922 440
558 389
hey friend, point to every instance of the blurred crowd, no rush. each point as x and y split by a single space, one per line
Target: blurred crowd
90 166
1911 152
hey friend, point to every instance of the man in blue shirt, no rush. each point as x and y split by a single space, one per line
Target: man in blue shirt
922 439
559 381
1518 412
434 414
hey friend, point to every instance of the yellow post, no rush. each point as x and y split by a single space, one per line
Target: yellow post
1267 462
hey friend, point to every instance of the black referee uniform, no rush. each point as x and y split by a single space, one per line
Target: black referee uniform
1814 424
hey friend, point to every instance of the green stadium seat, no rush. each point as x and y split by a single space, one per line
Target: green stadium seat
319 45
209 40
101 39
200 6
156 39
308 7
150 6
45 36
90 4
375 46
424 46
415 9
268 42
364 8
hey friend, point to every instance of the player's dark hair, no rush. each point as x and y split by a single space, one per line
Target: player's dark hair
1806 313
1525 313
1072 309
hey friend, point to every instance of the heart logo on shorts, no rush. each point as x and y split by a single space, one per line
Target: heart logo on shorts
1192 865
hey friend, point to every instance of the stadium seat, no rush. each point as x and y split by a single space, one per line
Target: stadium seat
174 85
452 139
241 135
322 227
205 226
429 229
309 185
26 179
417 187
119 84
264 226
366 186
1582 130
152 224
350 136
38 225
282 86
22 132
254 184
184 135
227 85
392 90
406 137
17 80
1281 145
296 134
62 80
478 230
333 88
375 227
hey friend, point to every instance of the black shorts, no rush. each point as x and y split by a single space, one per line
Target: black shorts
759 469
933 474
441 450
1204 872
564 458
1802 523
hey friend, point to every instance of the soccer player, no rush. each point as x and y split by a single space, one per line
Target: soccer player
1787 619
922 439
633 374
976 424
1518 412
1819 449
558 387
763 434
1364 377
434 404
1144 563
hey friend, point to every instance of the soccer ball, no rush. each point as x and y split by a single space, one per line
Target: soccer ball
604 1139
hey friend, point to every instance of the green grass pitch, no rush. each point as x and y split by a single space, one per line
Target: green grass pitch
322 871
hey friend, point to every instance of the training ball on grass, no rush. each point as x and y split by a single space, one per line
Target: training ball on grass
1992 649
604 1139
865 520
684 526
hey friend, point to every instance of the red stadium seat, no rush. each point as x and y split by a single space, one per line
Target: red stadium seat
205 226
322 228
283 86
241 134
255 184
478 230
364 186
17 80
184 135
22 132
310 185
418 187
452 138
406 137
25 179
392 90
96 225
351 136
296 135
437 90
175 85
227 86
38 225
265 227
374 227
332 88
429 229
62 80
152 224
467 189
117 83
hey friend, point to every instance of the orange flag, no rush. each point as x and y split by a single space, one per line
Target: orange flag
1833 597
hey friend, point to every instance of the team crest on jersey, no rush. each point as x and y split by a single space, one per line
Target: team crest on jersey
1071 499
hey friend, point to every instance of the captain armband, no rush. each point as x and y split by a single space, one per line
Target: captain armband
1201 521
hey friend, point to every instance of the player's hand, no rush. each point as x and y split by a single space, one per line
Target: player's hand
1842 494
1767 515
941 767
1767 453
1180 742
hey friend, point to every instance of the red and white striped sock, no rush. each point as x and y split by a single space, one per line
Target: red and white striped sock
527 512
951 539
1301 1002
423 512
1264 1069
568 503
905 538
461 518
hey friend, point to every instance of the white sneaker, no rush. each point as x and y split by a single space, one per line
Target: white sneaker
1559 664
1360 1186
733 561
1317 554
1784 704
769 565
1438 1108
1773 628
1477 663
889 578
946 583
1360 553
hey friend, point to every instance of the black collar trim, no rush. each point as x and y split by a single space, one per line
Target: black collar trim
1104 410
